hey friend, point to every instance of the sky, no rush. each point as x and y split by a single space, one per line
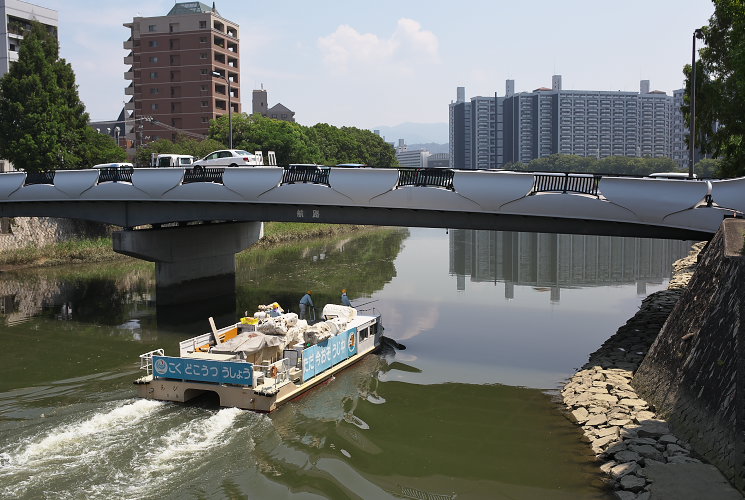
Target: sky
383 63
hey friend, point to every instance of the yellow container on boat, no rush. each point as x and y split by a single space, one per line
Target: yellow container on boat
249 321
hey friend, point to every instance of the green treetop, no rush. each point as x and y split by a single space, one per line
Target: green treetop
43 123
720 87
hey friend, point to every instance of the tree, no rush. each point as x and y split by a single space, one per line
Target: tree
100 148
295 143
708 168
720 87
43 123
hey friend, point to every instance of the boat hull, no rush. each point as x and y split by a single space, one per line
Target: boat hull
247 398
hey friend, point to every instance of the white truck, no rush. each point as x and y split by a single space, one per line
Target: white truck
170 160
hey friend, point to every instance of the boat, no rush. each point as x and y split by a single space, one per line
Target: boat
263 361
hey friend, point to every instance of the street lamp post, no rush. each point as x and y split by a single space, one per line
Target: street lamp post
697 33
230 108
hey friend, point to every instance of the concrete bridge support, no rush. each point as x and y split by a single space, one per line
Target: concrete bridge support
191 262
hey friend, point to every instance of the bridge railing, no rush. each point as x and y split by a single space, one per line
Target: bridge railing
566 183
39 178
429 177
203 174
115 174
306 174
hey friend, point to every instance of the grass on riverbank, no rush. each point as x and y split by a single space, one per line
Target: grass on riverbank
91 250
277 232
78 251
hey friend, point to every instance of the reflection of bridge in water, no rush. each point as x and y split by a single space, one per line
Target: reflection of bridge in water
558 261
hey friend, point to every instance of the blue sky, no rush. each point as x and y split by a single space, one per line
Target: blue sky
368 64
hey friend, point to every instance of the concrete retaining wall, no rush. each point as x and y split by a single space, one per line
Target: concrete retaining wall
693 373
21 232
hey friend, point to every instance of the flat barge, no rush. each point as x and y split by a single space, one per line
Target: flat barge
263 361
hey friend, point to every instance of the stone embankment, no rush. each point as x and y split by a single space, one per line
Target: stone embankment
635 446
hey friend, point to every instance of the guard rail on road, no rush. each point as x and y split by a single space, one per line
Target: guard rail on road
428 177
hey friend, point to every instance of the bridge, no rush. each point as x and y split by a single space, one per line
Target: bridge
142 200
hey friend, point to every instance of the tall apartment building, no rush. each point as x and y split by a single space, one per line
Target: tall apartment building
680 131
16 18
530 125
173 60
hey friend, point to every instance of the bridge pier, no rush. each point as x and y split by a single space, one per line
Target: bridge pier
191 262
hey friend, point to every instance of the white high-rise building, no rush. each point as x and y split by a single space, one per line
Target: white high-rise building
529 125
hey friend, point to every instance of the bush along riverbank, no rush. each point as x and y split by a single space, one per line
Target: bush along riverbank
633 445
91 250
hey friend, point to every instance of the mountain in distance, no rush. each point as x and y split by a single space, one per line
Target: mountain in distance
416 133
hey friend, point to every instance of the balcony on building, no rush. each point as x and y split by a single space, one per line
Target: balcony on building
128 45
129 75
129 59
130 90
130 106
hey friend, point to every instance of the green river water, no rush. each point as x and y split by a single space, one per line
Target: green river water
493 323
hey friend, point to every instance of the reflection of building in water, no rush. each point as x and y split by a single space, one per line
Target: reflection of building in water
558 261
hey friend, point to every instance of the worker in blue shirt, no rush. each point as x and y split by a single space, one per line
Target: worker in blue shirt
344 299
305 302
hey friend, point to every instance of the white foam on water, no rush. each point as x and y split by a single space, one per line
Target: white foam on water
188 440
73 436
62 450
175 455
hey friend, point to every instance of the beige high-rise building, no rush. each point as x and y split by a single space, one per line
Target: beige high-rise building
181 64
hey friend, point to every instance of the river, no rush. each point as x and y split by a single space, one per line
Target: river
493 323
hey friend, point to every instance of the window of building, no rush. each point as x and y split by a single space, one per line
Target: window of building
202 39
153 75
202 71
203 55
154 90
205 104
205 119
154 106
203 88
173 27
152 27
152 43
154 59
202 25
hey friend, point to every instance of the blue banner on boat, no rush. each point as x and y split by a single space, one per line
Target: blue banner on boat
330 352
203 370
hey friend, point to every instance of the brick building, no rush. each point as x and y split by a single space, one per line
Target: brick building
181 64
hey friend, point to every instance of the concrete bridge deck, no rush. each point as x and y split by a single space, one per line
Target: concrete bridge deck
498 200
575 203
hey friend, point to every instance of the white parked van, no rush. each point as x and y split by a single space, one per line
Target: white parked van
170 160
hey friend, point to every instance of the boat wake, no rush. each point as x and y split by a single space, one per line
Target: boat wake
128 451
36 459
